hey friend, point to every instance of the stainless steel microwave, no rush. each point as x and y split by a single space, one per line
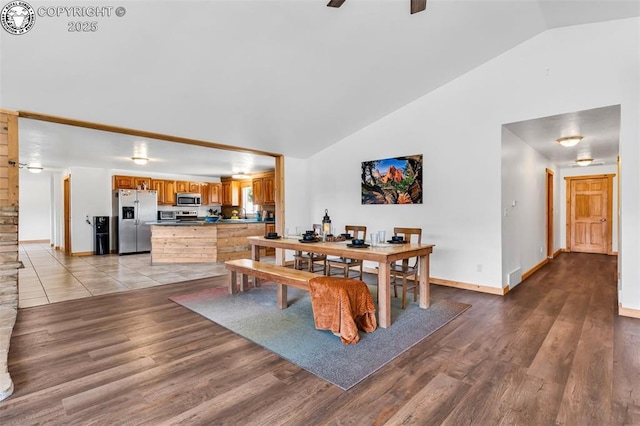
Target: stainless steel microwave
188 199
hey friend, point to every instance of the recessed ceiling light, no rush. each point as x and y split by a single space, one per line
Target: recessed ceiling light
569 141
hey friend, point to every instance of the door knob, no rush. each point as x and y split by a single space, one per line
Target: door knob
604 219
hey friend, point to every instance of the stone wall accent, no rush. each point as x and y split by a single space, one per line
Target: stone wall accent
8 242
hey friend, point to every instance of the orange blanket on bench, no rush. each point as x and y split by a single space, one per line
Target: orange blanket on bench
342 305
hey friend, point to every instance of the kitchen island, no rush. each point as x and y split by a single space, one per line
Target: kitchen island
202 242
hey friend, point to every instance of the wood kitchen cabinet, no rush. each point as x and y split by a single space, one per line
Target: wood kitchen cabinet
258 197
131 182
166 191
231 193
124 182
263 189
159 186
211 193
170 192
182 186
268 189
186 186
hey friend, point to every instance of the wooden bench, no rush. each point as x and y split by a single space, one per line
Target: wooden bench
281 275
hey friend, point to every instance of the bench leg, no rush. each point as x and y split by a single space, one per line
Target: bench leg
232 282
282 296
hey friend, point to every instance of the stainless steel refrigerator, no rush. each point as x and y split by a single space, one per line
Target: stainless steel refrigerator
132 210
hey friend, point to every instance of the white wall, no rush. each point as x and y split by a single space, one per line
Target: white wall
35 206
524 243
42 202
458 129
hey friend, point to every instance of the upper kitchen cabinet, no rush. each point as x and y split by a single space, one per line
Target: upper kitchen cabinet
269 189
166 191
182 186
211 193
263 189
258 196
131 182
231 193
186 186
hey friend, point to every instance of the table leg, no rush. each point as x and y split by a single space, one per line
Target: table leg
232 282
424 282
255 255
384 295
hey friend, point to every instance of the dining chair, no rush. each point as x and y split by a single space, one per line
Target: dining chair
345 263
301 258
408 268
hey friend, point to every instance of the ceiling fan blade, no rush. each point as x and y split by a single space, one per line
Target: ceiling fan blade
418 6
336 3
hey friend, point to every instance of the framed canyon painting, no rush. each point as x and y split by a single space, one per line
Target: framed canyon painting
395 180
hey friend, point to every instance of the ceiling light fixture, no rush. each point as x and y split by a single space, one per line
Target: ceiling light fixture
140 160
240 176
34 169
569 141
584 161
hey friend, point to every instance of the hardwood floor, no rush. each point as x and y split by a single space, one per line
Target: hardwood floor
552 351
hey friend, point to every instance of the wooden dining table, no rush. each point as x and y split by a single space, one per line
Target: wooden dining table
384 254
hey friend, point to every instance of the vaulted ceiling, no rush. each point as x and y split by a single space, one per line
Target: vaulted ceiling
284 76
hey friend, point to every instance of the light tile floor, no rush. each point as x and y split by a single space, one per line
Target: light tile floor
51 276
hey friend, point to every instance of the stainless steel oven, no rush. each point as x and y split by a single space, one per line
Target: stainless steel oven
188 199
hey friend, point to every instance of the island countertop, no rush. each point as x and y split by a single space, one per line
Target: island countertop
204 222
202 242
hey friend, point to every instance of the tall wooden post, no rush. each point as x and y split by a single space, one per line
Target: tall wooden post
8 241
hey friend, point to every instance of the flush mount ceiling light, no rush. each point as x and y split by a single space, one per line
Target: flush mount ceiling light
585 161
140 160
569 140
34 169
240 176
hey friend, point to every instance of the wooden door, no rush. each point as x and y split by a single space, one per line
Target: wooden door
589 214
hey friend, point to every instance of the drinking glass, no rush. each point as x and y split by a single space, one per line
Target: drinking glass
286 232
381 236
374 239
298 231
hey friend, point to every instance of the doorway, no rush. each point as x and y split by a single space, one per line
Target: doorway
67 214
589 212
549 213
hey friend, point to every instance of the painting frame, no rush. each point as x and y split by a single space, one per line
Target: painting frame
394 180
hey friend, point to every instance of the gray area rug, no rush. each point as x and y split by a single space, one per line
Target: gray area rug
291 333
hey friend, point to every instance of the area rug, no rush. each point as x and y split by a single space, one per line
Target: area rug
291 333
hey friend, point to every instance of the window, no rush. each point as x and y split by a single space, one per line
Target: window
247 199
